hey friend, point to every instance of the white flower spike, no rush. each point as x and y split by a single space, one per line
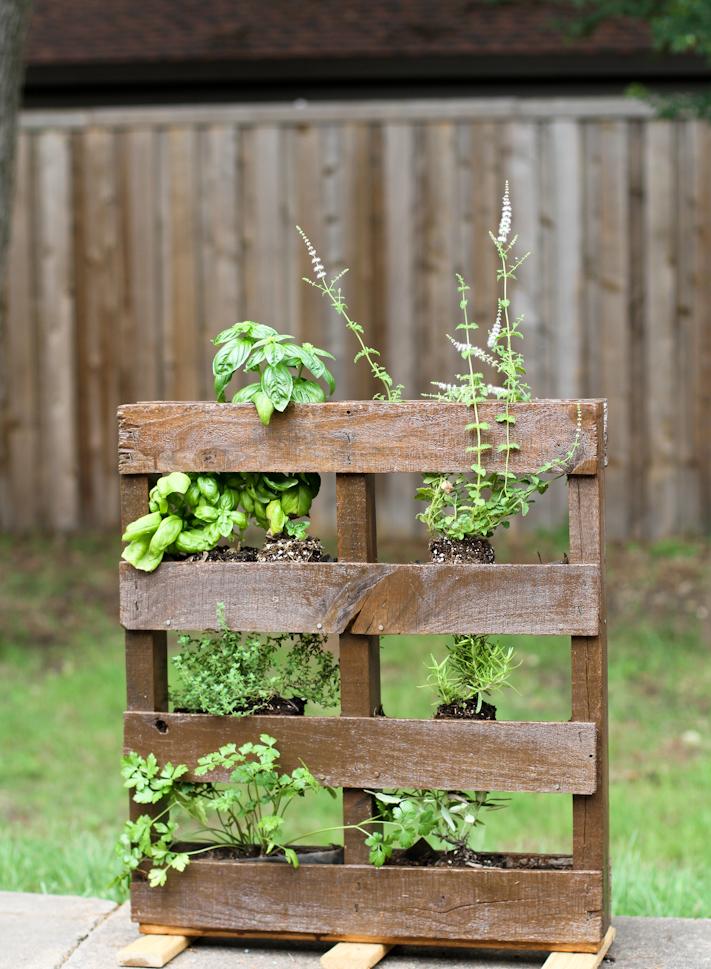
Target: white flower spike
505 223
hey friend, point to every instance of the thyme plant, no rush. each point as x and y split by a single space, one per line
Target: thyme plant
476 504
246 812
391 392
234 673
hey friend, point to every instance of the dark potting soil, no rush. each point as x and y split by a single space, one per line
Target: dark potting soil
222 553
285 549
466 710
422 855
277 706
469 550
308 854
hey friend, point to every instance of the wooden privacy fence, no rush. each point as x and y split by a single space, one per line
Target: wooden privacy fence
139 233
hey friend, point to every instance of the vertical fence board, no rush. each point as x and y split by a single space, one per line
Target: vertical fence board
136 238
662 401
21 502
57 371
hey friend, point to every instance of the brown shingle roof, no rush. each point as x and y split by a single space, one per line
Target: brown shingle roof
76 32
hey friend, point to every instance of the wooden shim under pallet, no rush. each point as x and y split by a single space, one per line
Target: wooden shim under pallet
366 598
354 955
349 436
369 752
581 960
153 951
542 908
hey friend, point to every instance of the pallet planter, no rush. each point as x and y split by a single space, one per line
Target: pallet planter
563 906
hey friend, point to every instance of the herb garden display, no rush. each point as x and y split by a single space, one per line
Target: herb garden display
210 779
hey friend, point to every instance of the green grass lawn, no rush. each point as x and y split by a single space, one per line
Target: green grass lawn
61 666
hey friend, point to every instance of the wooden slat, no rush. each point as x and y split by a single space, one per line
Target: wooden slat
354 955
364 598
153 951
378 752
386 905
589 684
348 436
58 473
359 655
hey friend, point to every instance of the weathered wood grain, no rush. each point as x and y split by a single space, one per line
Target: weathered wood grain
359 655
348 436
364 598
379 752
589 684
387 904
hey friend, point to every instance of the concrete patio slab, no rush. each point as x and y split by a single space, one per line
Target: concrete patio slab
60 932
40 931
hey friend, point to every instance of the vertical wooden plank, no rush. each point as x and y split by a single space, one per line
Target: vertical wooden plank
180 283
264 229
439 262
219 242
57 372
400 343
638 457
146 652
702 402
611 326
21 503
662 401
98 324
141 242
690 325
589 681
359 655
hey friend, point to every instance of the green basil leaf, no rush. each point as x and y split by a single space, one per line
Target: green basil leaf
265 408
246 393
307 392
277 383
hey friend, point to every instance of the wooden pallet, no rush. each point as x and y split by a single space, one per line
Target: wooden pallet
360 599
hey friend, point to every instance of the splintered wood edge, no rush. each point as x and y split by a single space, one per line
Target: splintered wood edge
355 955
153 951
581 960
352 437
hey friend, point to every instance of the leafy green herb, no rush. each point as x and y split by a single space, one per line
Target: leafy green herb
191 513
278 364
442 818
246 812
474 666
477 503
238 673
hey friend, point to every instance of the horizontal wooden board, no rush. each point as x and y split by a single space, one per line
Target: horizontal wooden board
387 904
364 597
377 752
348 436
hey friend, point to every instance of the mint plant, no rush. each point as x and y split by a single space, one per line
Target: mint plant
477 503
278 364
246 812
391 392
233 673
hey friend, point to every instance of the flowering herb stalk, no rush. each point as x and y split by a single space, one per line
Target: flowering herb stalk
391 392
461 505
